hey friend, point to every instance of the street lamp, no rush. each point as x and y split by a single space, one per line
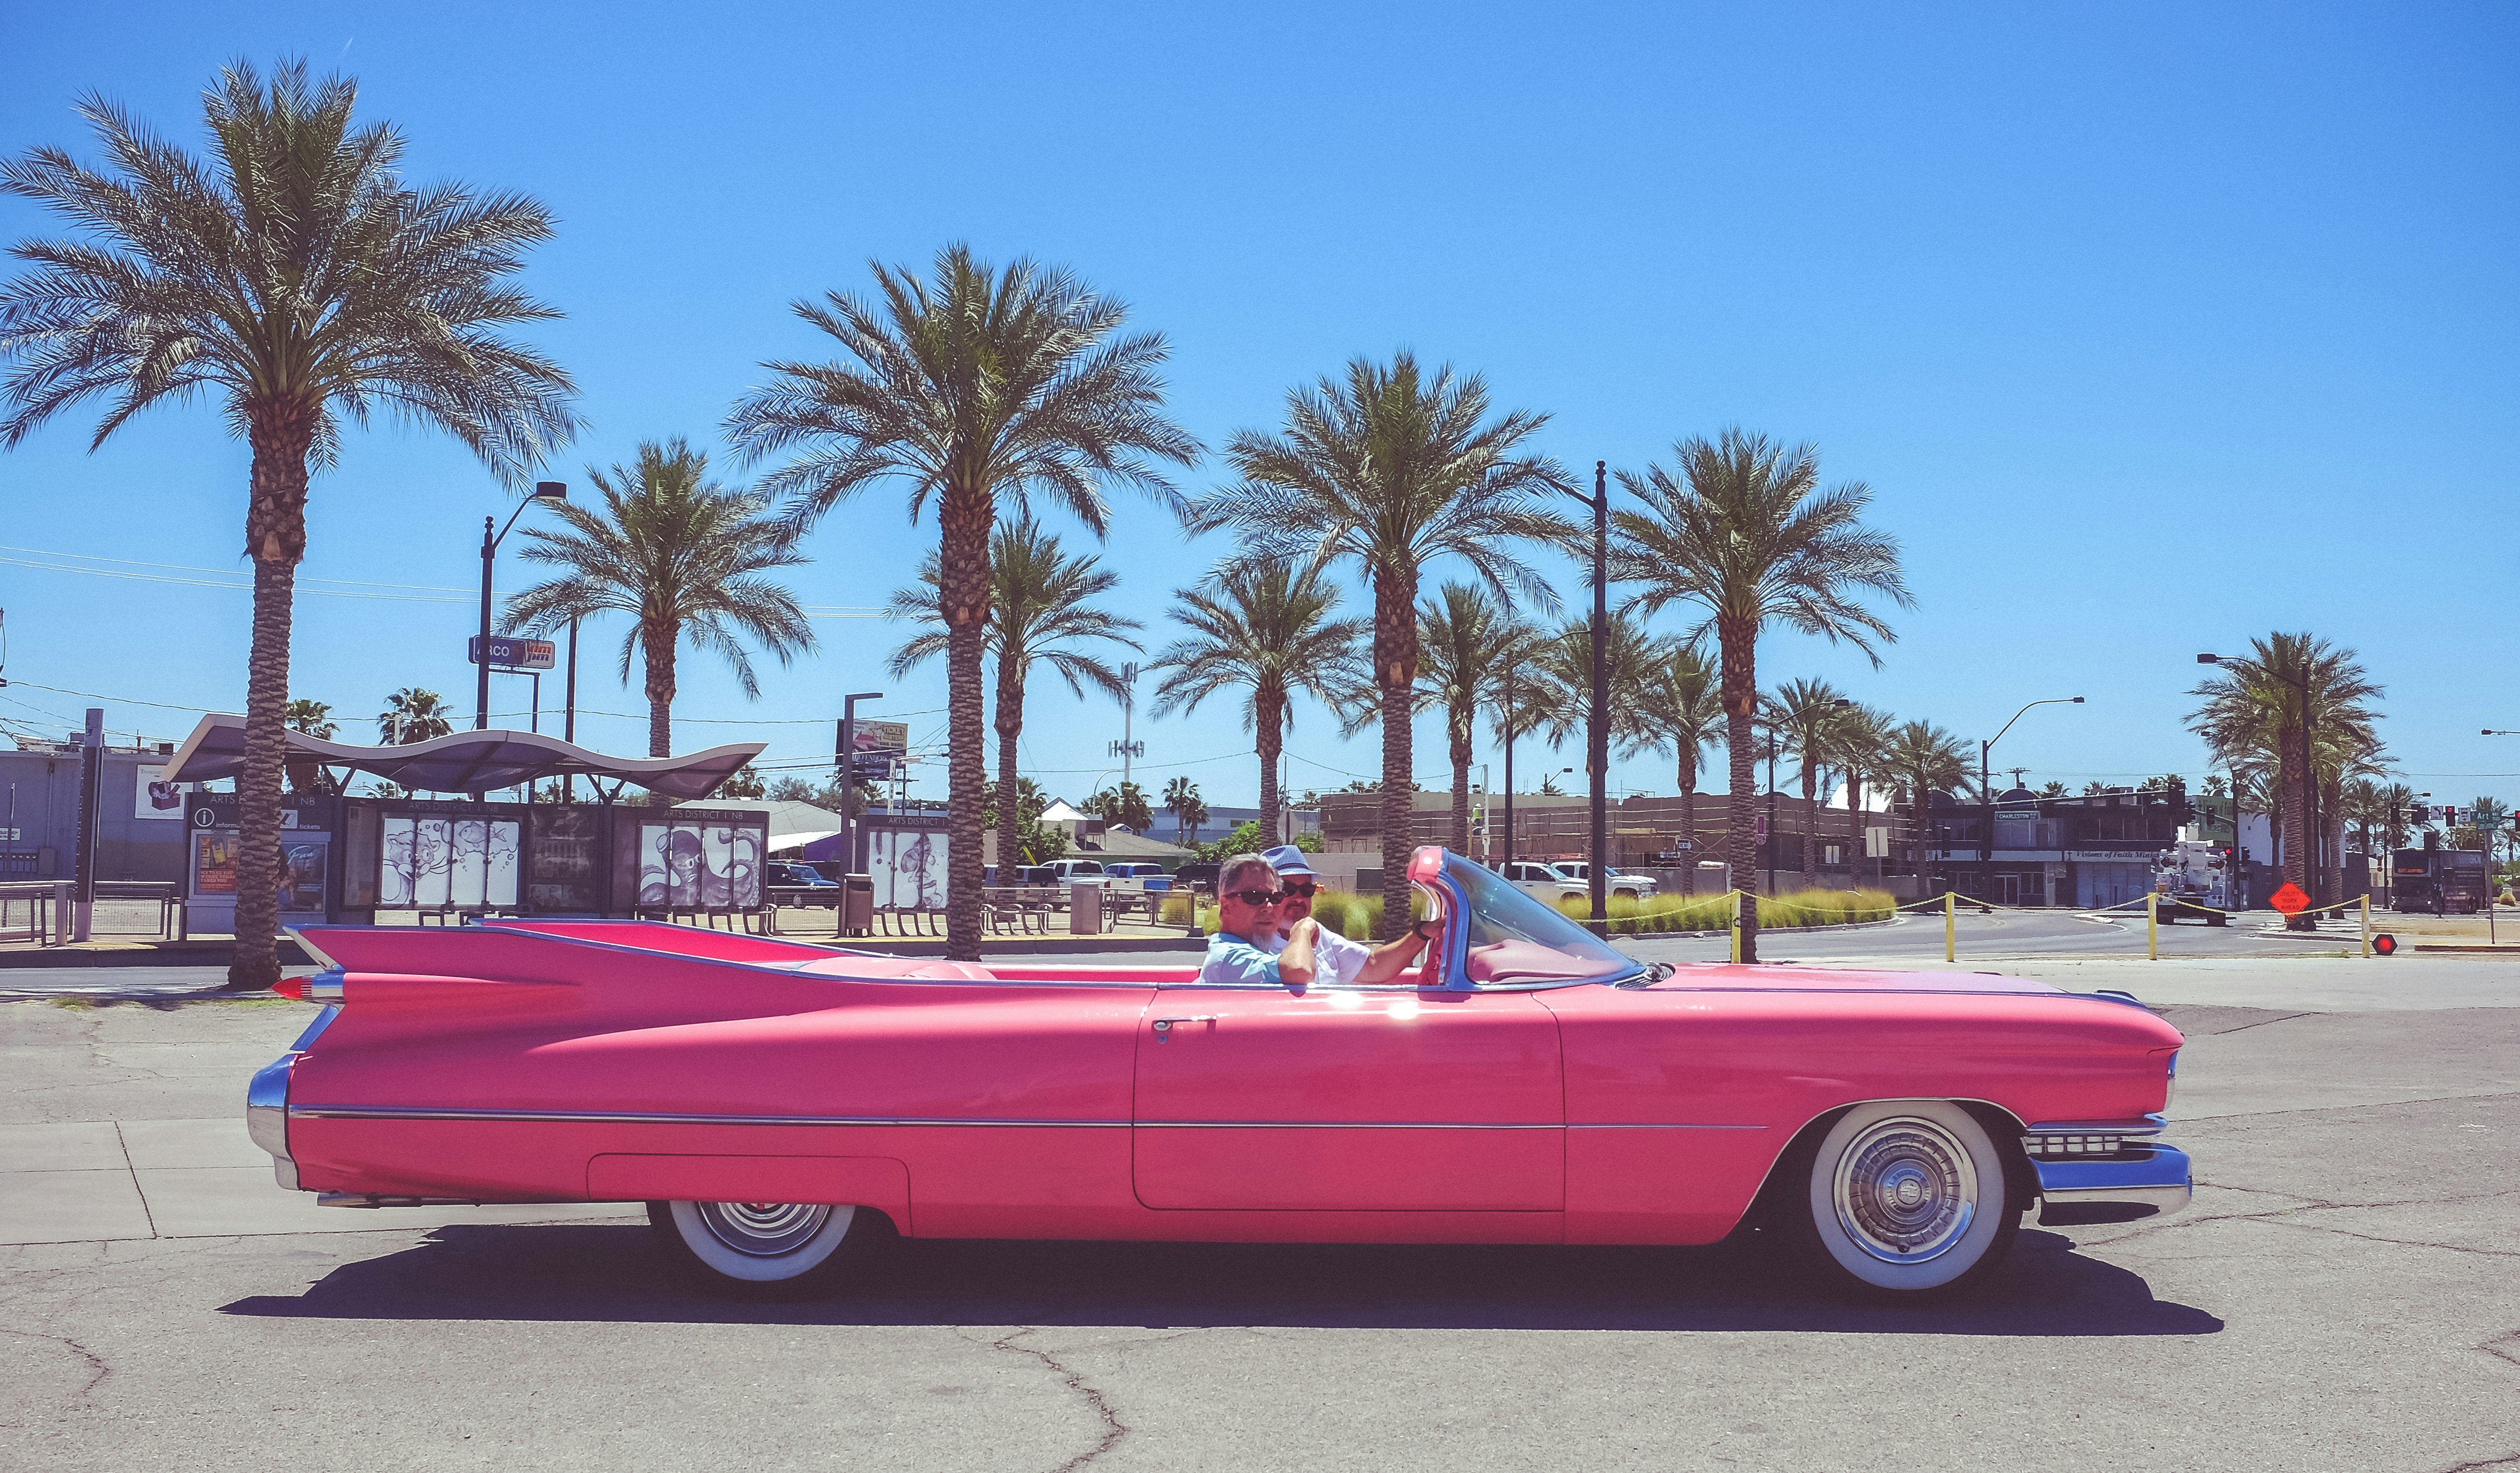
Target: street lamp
1986 789
543 491
1597 736
2308 777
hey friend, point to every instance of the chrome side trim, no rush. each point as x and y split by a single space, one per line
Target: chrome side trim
660 1117
2149 1125
1656 1125
2146 1181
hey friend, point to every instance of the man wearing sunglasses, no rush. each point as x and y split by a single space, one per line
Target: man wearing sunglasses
1247 948
1336 961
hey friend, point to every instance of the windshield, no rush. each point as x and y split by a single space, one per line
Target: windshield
1514 938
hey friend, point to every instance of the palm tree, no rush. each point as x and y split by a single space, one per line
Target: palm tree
1467 639
1745 530
314 718
1188 808
1808 714
1924 759
980 385
1271 631
1039 610
297 276
1395 468
412 714
1561 672
1859 746
682 556
1684 709
1124 806
2263 709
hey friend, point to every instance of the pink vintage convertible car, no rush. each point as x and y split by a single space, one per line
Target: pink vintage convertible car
784 1108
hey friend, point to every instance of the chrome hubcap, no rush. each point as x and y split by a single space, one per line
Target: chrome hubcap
1906 1190
764 1229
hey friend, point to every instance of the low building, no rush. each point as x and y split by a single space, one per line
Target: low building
140 816
2085 850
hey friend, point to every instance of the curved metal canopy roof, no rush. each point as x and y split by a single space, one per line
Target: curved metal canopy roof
465 761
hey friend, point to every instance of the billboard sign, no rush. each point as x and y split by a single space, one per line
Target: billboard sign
881 746
508 653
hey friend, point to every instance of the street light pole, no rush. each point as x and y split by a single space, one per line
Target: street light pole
1986 791
543 491
1596 732
1506 864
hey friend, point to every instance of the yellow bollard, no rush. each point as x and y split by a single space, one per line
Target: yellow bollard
2152 925
2366 927
1735 901
1951 928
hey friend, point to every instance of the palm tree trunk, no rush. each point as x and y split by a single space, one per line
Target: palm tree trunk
275 535
1460 744
1269 718
1741 689
964 519
1395 670
1687 824
1010 724
1810 829
660 646
2296 813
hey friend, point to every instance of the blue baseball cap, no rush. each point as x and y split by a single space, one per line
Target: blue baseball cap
1286 859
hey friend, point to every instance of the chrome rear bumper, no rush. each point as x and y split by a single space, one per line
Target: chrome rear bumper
2142 1178
266 1099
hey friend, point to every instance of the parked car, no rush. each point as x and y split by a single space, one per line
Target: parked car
790 873
784 1115
1069 871
1532 877
1198 875
1019 875
1621 881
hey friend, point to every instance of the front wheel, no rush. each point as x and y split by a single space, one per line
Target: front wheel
1909 1196
768 1248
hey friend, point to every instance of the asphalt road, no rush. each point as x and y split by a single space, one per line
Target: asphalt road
2341 1296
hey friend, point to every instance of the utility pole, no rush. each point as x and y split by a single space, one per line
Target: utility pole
1505 862
1127 747
1598 742
91 785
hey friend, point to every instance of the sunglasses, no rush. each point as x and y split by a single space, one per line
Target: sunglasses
1304 891
1256 897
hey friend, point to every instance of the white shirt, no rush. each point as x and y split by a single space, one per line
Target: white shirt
1335 959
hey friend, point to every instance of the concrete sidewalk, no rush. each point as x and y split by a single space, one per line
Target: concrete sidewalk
107 1181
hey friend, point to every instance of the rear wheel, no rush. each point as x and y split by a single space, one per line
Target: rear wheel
769 1248
1908 1197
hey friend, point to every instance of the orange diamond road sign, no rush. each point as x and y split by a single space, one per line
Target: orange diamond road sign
2289 899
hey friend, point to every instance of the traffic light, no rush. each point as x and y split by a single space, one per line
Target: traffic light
2418 815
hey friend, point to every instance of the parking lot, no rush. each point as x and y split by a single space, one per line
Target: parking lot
2345 1294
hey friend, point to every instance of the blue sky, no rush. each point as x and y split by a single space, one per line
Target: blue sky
2150 327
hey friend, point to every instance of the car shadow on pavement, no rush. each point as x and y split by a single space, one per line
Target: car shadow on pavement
619 1273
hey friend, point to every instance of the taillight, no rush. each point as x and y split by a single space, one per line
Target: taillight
323 986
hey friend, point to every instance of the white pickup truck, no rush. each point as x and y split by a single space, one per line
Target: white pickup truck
1571 878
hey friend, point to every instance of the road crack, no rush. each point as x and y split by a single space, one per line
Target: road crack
2490 1463
1114 1429
95 1361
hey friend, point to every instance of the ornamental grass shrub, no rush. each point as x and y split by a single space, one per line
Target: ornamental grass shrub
1714 912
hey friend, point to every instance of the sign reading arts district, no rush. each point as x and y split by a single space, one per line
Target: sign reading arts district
506 653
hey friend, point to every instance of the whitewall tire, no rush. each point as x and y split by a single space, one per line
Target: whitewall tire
766 1246
1909 1196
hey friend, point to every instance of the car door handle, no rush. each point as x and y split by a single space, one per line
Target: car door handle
1164 1026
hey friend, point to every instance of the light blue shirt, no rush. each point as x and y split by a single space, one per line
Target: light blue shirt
1233 959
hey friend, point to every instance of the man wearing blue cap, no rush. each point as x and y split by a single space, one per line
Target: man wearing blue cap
1336 961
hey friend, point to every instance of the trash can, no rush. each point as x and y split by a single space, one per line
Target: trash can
857 904
1084 909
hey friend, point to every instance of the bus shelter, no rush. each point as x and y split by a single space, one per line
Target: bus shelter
353 859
